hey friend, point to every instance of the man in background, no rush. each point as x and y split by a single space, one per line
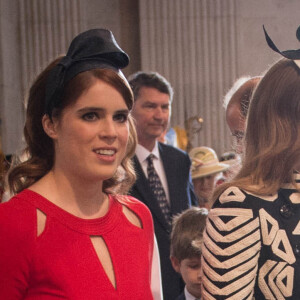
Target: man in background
163 172
236 103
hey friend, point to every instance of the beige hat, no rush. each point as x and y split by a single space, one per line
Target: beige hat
205 162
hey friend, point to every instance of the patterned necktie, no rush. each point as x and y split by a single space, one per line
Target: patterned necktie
158 190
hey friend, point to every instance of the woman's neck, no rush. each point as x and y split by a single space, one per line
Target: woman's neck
82 199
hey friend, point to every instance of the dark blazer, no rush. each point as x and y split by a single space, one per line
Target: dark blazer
181 296
177 168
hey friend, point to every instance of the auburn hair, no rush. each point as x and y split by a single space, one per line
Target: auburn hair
39 154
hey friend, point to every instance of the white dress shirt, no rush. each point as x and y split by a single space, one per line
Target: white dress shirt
189 296
142 153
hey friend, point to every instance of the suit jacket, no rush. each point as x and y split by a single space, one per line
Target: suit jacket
181 296
177 168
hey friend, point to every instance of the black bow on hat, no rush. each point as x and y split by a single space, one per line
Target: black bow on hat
95 48
290 54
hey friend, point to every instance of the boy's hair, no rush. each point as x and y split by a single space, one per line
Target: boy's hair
187 233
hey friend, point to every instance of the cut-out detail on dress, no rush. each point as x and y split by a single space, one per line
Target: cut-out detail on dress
41 222
132 217
104 257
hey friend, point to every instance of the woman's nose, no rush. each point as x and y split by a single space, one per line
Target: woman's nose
108 129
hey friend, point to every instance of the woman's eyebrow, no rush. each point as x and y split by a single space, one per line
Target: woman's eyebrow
124 111
100 109
90 108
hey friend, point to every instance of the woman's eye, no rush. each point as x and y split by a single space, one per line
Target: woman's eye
90 116
121 118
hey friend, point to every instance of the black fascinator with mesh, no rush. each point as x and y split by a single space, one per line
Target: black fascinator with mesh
95 48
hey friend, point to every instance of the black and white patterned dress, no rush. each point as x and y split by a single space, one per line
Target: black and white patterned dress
251 246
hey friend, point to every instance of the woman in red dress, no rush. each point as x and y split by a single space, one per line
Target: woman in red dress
69 232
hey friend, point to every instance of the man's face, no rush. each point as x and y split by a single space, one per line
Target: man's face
151 112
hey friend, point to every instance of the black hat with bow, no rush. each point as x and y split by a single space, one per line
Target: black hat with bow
95 48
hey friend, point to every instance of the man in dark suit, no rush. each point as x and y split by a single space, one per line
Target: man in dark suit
151 111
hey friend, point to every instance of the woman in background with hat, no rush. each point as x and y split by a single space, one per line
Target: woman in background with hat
68 233
205 168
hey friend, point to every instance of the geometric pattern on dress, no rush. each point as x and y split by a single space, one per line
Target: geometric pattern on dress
239 215
297 229
232 261
287 253
286 275
233 236
276 237
228 276
276 280
158 190
222 274
262 283
208 296
238 260
268 236
247 281
232 193
234 247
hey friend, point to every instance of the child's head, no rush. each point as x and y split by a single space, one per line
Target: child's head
186 240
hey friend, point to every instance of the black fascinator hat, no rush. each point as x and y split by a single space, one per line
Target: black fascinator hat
95 48
290 54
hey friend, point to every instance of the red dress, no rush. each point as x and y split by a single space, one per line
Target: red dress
61 263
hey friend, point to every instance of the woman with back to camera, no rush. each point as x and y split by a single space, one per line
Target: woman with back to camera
68 233
252 239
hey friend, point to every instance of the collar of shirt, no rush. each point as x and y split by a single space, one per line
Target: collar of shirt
189 296
142 153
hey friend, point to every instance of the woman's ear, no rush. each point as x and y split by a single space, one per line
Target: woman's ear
50 127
